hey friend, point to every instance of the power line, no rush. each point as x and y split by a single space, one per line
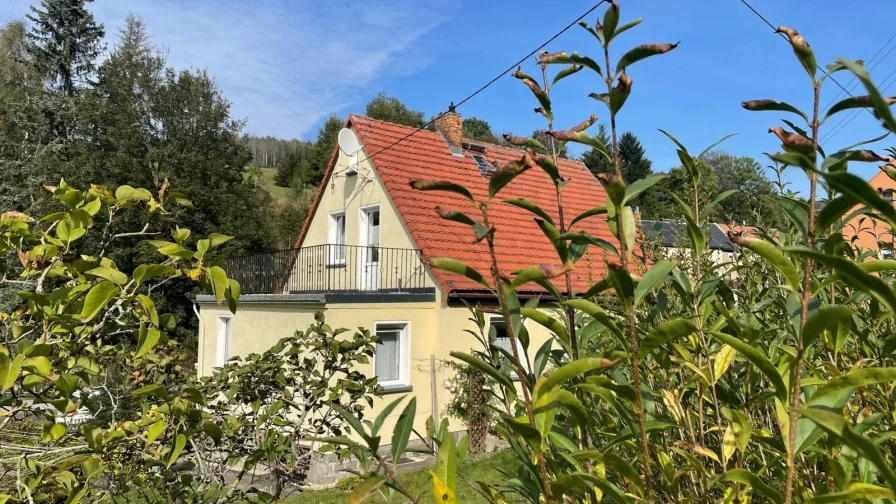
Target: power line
482 88
787 39
854 113
853 82
837 128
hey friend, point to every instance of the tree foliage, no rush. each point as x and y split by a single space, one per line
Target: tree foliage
322 152
478 129
390 109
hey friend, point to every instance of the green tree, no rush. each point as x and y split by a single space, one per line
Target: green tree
65 43
478 129
390 109
752 187
596 161
292 171
327 138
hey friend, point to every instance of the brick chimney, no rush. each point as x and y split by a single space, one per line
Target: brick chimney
450 125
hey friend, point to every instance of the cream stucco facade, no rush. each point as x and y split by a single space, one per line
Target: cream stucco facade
435 324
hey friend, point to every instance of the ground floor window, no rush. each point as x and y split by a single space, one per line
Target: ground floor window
498 331
391 361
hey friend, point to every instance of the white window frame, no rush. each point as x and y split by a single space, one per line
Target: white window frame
223 338
336 254
513 341
404 356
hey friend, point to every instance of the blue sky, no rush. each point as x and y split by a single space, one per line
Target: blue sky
287 65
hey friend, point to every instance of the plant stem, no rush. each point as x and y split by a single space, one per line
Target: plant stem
804 310
520 371
630 310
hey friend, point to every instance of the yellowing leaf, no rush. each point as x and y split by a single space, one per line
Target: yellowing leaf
441 492
722 361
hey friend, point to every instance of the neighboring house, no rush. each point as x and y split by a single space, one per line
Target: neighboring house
672 236
870 234
362 257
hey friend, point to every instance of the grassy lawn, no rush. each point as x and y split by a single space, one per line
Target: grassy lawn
486 469
281 194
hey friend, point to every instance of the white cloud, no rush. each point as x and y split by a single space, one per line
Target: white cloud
284 65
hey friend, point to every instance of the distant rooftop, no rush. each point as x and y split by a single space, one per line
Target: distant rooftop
674 234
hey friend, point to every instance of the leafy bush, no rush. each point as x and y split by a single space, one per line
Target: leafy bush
765 378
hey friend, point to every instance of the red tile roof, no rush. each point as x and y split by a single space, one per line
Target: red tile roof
518 240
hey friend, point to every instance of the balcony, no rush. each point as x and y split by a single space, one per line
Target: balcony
331 268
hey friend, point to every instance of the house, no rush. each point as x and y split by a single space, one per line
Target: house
363 253
672 236
867 233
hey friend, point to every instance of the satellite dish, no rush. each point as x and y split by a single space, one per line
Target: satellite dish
348 142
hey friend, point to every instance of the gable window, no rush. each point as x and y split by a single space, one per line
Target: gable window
336 254
391 360
223 340
498 330
886 253
888 195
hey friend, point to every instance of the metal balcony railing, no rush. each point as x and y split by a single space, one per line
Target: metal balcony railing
327 268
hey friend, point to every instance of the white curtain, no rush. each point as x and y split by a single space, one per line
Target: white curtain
388 353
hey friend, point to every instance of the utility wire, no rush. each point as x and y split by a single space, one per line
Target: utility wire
854 113
785 38
837 128
853 82
481 89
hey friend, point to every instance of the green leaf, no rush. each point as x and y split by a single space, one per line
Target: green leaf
403 429
853 102
666 332
91 467
368 487
532 207
97 299
76 494
833 211
654 277
148 339
879 103
180 441
553 379
758 359
109 274
9 370
155 430
835 425
505 175
39 365
595 312
611 20
855 491
852 274
641 52
218 282
854 186
550 323
457 267
627 26
146 272
821 319
752 481
598 210
566 72
773 105
794 159
128 193
585 238
154 390
216 240
446 461
860 378
707 210
797 211
232 294
575 59
774 256
51 431
553 235
484 367
438 185
378 423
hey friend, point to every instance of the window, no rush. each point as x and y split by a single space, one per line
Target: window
223 341
372 238
886 253
502 339
337 239
485 169
888 195
391 360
